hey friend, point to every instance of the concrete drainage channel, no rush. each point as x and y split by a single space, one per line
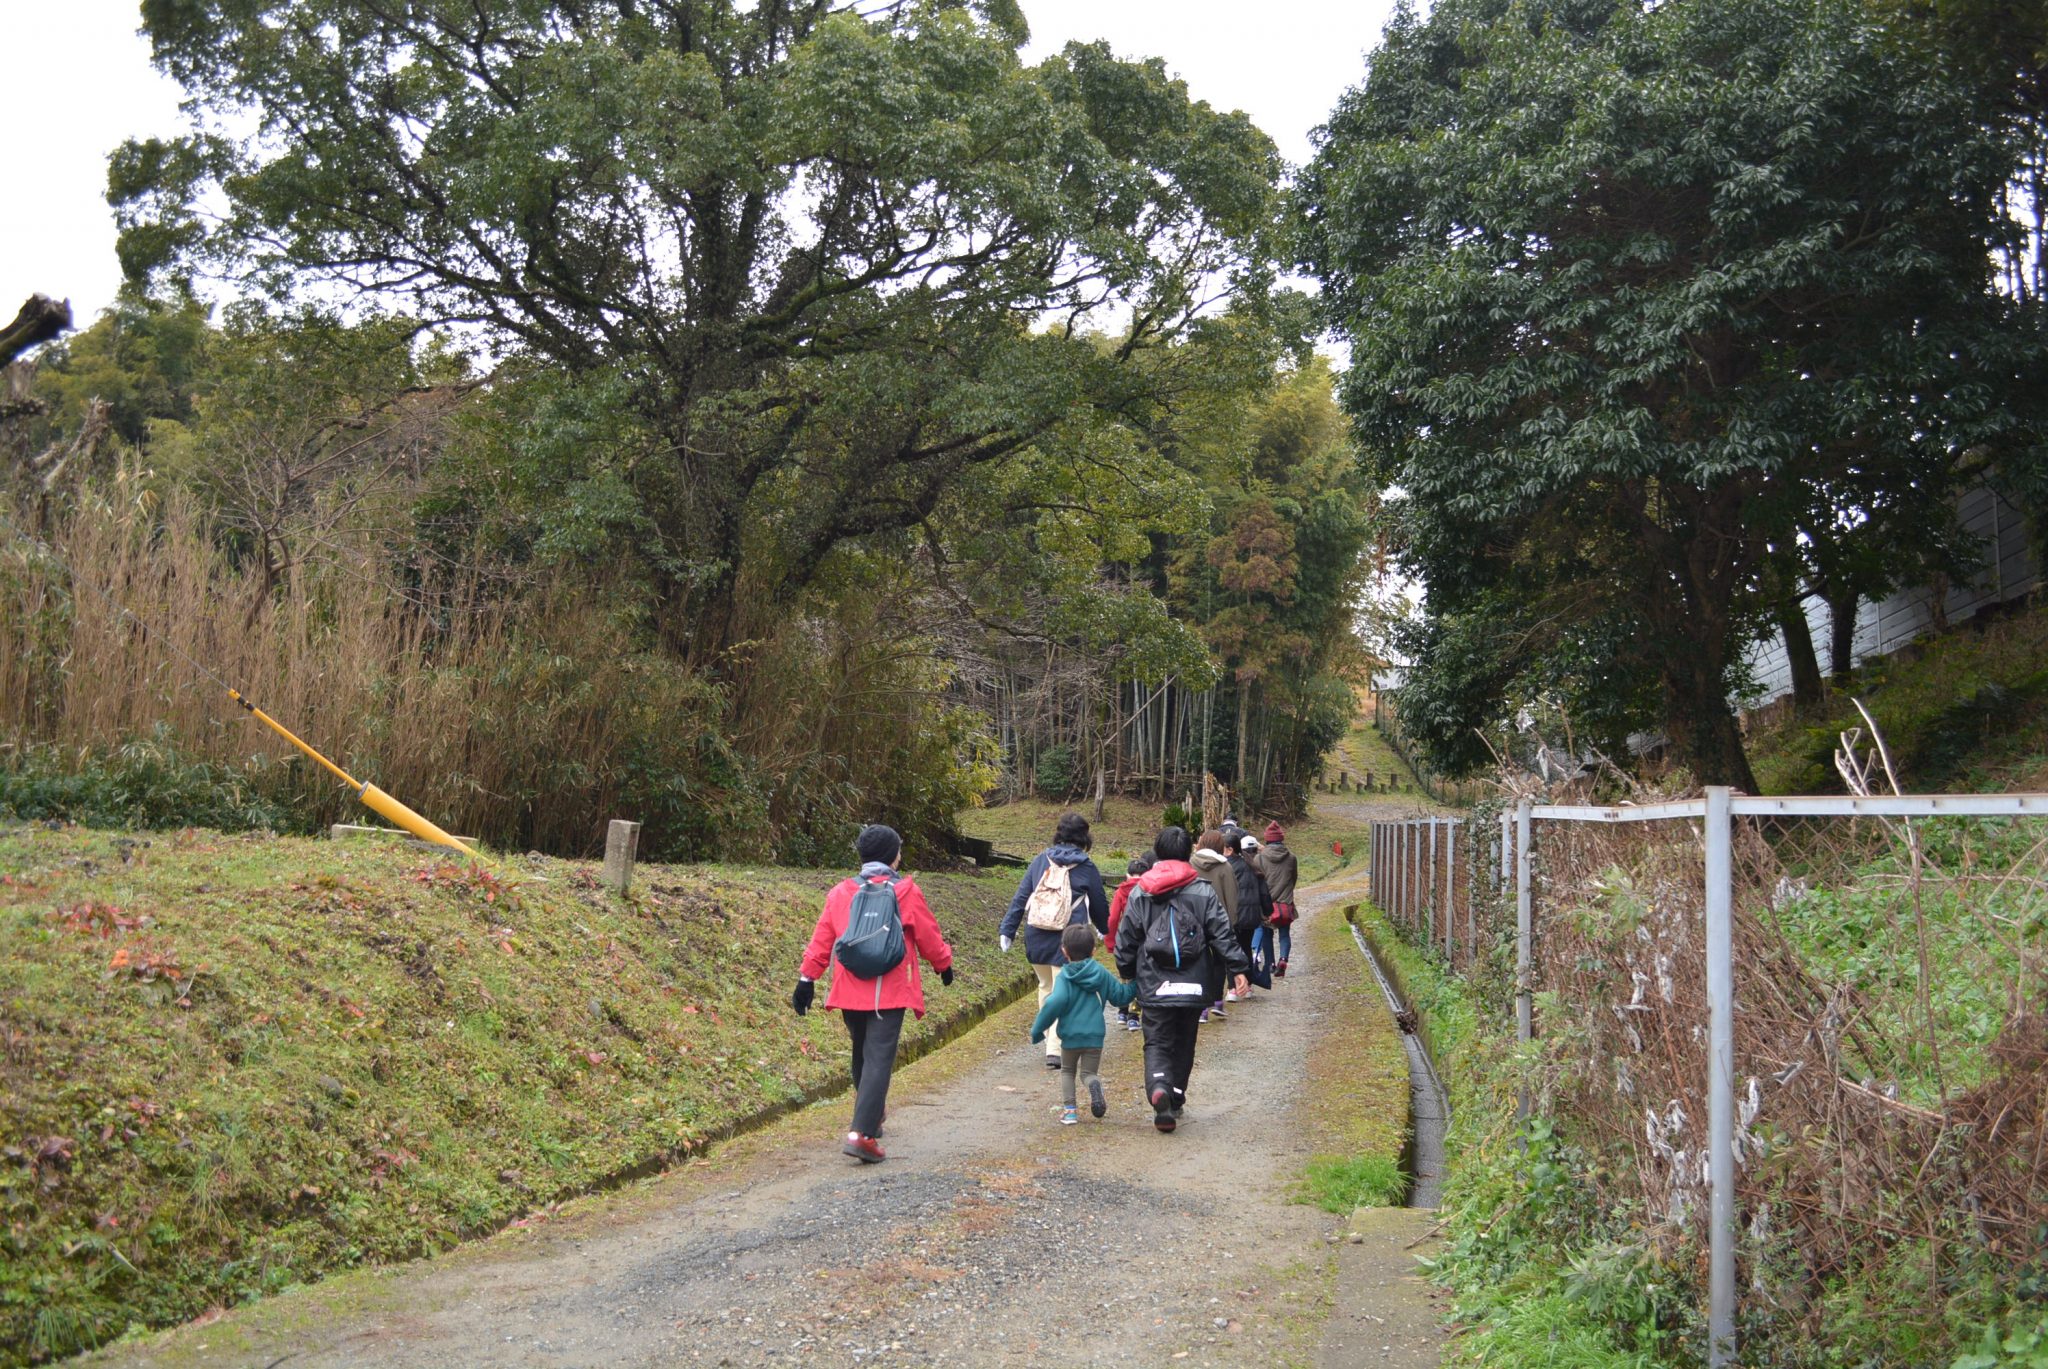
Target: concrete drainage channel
1429 1106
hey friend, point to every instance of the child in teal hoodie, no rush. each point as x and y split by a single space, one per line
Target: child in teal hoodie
1076 1004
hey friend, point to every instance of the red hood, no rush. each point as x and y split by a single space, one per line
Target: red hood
1167 876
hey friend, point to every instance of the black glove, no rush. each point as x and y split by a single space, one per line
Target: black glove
946 976
801 999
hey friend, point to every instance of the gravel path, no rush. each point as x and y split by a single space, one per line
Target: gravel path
992 1236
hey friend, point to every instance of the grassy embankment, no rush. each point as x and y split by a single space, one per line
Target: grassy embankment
233 1063
1358 1082
1966 712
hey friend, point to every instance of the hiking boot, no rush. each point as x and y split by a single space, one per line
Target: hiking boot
1070 1117
1180 1110
1097 1104
1162 1110
863 1148
1052 1062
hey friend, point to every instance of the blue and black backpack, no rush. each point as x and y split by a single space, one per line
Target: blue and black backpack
872 944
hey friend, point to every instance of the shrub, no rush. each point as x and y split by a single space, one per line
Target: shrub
142 784
1054 772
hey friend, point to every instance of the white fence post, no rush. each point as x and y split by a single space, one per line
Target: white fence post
1450 885
1525 1007
1507 850
1720 1078
1429 907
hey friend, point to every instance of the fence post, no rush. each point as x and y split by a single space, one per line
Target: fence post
1450 887
1720 1078
1430 908
621 848
1507 849
1525 1007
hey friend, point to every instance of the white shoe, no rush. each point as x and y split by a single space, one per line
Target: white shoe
1231 997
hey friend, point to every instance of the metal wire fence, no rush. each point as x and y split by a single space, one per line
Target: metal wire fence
1814 1029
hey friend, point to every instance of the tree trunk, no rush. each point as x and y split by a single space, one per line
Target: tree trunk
1101 793
1842 632
1244 707
1807 684
38 320
1702 724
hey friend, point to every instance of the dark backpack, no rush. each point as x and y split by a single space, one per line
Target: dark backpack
1175 939
872 944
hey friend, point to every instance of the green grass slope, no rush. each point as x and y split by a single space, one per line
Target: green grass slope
232 1063
1967 712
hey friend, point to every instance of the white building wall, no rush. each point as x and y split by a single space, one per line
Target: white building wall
1883 626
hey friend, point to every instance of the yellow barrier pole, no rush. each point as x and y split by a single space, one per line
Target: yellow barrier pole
373 798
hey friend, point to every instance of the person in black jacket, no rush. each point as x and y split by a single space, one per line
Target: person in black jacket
1254 902
1173 931
1070 842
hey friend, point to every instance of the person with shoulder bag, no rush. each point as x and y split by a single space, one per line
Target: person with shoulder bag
1174 938
1277 863
874 928
1061 887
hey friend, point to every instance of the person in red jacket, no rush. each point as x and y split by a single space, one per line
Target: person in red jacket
1139 864
873 1008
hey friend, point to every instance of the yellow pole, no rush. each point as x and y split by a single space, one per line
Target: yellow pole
373 798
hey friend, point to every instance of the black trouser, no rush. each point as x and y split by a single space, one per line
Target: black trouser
874 1058
1170 1049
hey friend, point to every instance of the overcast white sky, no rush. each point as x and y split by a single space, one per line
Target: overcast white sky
80 81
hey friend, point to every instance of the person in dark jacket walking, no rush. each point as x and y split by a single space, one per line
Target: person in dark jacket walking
1173 931
1254 903
1277 864
873 1008
1069 850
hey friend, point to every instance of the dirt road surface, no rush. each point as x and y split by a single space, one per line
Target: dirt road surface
992 1236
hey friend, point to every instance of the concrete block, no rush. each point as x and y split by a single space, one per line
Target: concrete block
621 847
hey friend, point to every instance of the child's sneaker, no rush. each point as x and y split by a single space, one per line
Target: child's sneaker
1233 997
1070 1117
863 1148
1097 1105
1280 969
1132 1024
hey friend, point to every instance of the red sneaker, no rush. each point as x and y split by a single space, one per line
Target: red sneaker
865 1149
1280 969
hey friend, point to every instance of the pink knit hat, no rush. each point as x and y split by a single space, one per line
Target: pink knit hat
1273 832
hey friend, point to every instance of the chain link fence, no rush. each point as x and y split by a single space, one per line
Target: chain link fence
1803 1039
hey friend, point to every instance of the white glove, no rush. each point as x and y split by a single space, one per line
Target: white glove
1004 942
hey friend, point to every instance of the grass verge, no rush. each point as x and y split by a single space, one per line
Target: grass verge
1357 1083
234 1063
1535 1270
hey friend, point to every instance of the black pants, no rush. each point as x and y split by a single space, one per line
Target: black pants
874 1058
1170 1049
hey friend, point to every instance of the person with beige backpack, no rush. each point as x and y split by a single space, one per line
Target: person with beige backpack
1061 887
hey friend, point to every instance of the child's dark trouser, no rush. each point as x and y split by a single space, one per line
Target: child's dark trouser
874 1058
1170 1048
1086 1065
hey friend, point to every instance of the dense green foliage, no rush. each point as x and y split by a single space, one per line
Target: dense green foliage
235 1064
720 387
1643 301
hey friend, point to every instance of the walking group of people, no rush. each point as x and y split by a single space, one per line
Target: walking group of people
1193 927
